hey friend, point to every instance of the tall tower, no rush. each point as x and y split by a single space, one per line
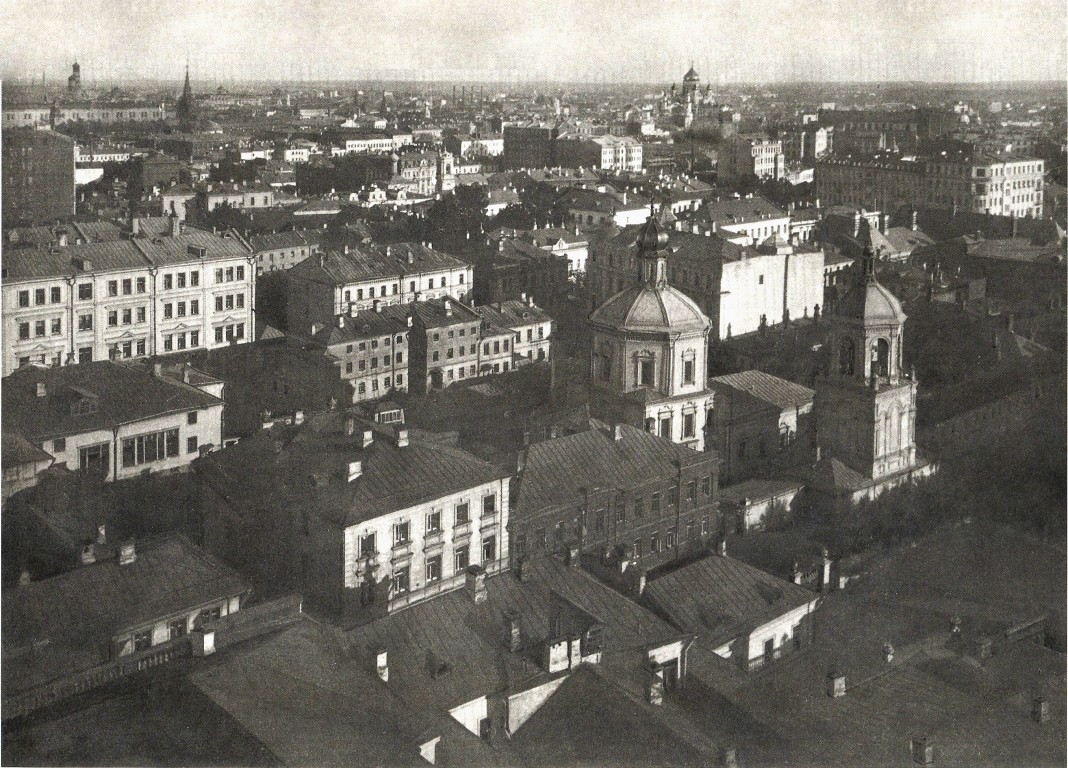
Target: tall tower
74 82
865 406
649 351
691 81
186 109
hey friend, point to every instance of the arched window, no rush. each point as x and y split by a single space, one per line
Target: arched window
846 353
880 359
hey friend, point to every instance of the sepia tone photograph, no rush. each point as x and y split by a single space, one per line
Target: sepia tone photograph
593 383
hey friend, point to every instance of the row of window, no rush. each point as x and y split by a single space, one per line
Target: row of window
433 569
362 346
657 543
361 388
402 529
172 341
361 365
41 328
474 332
129 315
229 274
41 296
228 301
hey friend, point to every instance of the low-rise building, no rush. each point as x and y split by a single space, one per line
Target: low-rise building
739 612
372 349
366 520
747 155
116 419
324 287
283 250
760 424
531 325
631 499
590 208
446 345
110 617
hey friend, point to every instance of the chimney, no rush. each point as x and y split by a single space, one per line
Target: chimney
888 652
642 579
368 438
913 223
448 308
728 757
298 418
157 370
825 574
378 306
340 321
353 311
381 657
175 226
135 226
63 239
128 553
88 552
475 583
24 578
922 750
1040 709
42 390
617 432
410 320
346 249
836 684
402 438
355 469
350 426
572 556
514 633
101 535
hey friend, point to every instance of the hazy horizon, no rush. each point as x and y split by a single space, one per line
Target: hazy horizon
526 41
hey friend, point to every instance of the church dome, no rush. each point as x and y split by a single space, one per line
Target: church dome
869 302
690 76
646 309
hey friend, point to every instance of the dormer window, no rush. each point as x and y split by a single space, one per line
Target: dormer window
83 406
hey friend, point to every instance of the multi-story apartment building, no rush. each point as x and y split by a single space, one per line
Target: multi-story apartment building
446 345
609 153
372 349
632 499
144 296
747 155
475 146
387 521
283 250
532 327
1000 185
322 288
530 146
43 115
243 195
38 176
115 419
743 221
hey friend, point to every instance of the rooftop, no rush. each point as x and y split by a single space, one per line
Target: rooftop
720 598
366 261
107 394
770 389
558 471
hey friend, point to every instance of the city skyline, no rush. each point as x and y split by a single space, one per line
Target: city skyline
527 41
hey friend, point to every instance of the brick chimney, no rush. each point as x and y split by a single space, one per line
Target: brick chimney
128 553
88 552
475 583
42 390
514 633
381 662
355 470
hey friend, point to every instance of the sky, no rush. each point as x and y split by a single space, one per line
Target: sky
645 41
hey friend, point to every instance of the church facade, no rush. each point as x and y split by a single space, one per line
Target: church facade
648 361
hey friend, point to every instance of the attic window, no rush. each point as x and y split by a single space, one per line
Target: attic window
83 406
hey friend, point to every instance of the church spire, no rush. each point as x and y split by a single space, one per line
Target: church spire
652 252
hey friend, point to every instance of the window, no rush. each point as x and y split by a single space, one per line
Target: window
113 287
240 273
741 449
639 506
181 279
142 640
113 318
433 569
141 285
85 291
401 532
168 310
489 504
218 275
433 521
168 343
706 485
56 295
85 323
194 307
368 547
600 519
181 309
39 296
24 331
168 282
59 445
760 280
691 491
154 446
229 274
689 421
39 328
191 417
672 538
645 372
673 496
229 301
688 368
463 513
401 580
489 549
24 298
194 279
846 355
654 504
85 354
94 458
654 543
140 314
177 628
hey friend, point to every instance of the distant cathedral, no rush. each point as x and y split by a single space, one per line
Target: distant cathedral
186 109
74 82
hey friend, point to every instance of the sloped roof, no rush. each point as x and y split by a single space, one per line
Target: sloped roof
77 610
471 638
16 450
831 475
367 261
763 386
307 465
720 598
513 314
123 393
757 490
642 308
557 471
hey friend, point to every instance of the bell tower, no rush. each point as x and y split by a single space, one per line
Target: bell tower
865 405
